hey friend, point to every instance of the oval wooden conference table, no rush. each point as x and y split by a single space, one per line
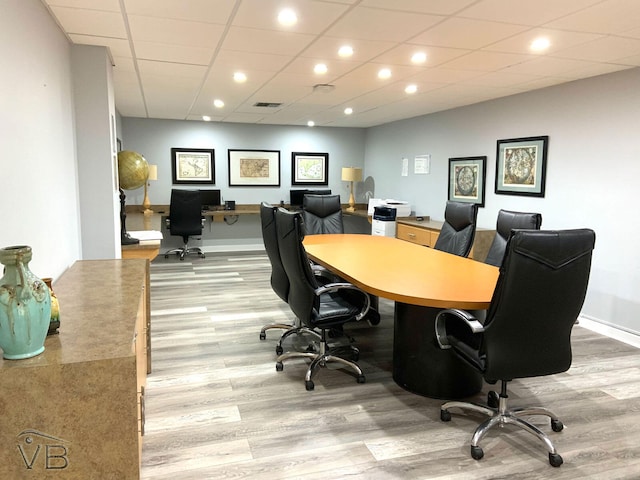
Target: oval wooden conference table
421 281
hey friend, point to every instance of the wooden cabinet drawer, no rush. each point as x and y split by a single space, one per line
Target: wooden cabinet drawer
421 236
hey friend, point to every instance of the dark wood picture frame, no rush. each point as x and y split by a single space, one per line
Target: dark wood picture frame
467 179
521 166
309 168
254 168
193 166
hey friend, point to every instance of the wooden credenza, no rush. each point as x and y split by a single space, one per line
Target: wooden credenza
426 233
76 411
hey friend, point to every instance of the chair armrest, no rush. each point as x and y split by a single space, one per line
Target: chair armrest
167 222
461 317
336 287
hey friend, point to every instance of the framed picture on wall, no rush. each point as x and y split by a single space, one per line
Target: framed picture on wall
309 168
521 166
467 179
193 166
254 168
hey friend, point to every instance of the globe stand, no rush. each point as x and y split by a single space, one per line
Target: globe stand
125 238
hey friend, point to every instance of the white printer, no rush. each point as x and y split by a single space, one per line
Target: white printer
403 209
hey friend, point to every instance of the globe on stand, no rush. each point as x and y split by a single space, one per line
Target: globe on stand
133 172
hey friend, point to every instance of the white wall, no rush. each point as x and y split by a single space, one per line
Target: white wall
592 172
38 177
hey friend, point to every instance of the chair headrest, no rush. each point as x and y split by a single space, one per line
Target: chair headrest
321 205
460 215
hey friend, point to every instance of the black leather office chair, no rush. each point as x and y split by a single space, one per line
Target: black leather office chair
185 220
323 307
538 297
507 221
459 228
322 214
279 279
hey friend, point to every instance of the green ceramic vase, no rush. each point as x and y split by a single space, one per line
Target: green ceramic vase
25 306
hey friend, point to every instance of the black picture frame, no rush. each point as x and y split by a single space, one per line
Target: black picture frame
521 166
254 168
467 179
309 168
191 166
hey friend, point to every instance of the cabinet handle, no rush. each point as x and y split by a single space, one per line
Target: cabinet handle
142 419
412 235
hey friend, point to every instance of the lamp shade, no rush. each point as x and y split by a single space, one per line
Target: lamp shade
351 174
153 172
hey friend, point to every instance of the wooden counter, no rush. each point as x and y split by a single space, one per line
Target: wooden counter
76 410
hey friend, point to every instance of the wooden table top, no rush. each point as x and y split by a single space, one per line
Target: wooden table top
405 272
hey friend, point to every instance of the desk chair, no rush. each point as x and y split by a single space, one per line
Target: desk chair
506 222
323 307
322 214
538 297
185 220
459 228
279 279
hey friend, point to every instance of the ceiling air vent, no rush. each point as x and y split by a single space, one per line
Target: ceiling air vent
267 104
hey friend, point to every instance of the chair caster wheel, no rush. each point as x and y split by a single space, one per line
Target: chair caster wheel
279 366
476 453
373 317
263 336
556 425
308 384
279 350
445 415
361 379
493 400
166 256
555 460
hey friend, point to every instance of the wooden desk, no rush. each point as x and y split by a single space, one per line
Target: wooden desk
421 281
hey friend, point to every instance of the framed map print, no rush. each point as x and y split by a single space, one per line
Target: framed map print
309 168
193 166
467 179
254 168
521 165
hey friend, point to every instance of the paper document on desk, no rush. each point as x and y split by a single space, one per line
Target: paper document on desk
143 235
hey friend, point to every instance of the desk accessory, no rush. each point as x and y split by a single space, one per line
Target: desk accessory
25 306
133 172
351 174
229 205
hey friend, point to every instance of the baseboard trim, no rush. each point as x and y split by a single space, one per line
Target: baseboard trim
609 331
250 247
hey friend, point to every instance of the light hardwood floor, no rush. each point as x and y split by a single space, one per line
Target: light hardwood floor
217 409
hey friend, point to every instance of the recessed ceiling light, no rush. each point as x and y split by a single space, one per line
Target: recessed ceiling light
239 77
320 68
345 51
411 89
540 44
218 103
419 57
287 17
348 111
311 123
384 73
206 118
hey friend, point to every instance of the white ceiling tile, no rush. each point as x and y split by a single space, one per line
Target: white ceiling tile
608 17
210 11
559 40
263 41
401 55
486 61
170 71
524 12
374 24
363 50
549 66
438 7
173 53
235 60
445 75
607 49
119 47
91 22
467 33
178 32
108 5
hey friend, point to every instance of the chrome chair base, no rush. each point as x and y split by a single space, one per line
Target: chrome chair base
501 416
320 359
184 251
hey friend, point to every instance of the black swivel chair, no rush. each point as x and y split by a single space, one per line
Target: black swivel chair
279 279
185 220
506 222
538 297
322 307
459 228
322 214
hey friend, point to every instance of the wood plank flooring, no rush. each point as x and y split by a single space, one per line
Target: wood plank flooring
217 409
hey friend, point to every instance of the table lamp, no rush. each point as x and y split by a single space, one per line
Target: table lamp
351 174
153 175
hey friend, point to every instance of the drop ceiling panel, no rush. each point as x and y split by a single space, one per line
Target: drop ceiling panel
176 32
209 11
559 40
119 47
91 22
363 50
401 55
265 41
108 5
607 49
173 53
609 17
477 33
438 7
525 12
486 61
237 60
